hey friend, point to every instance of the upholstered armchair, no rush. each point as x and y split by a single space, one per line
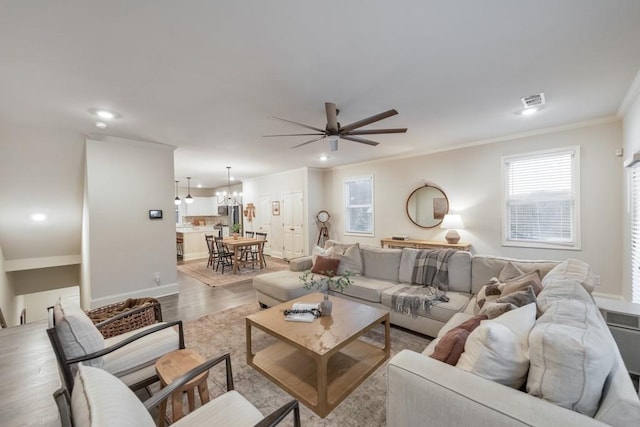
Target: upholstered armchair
130 356
99 398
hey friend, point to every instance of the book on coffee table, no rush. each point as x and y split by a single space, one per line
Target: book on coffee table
302 317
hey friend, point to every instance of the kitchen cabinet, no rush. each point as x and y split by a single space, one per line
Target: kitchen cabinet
201 206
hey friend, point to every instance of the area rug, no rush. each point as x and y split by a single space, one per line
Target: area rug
209 276
223 332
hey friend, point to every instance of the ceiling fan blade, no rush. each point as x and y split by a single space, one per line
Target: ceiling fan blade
368 120
308 142
377 131
293 134
299 124
332 116
361 140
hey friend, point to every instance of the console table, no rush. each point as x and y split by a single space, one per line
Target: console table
423 244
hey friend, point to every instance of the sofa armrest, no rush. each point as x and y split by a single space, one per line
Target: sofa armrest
302 263
424 391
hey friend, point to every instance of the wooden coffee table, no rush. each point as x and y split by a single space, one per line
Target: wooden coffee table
322 362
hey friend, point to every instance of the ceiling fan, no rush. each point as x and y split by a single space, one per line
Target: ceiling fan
333 131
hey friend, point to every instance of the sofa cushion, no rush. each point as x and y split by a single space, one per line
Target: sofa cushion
302 263
229 409
441 311
563 290
571 357
484 267
100 399
325 266
141 353
349 256
571 269
497 349
78 336
282 285
379 263
451 345
366 288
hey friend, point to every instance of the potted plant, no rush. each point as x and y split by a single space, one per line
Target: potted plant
236 229
339 283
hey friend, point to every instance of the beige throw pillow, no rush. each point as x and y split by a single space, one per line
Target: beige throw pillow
509 271
489 292
497 350
522 282
349 256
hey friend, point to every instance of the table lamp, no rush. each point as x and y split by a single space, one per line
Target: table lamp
452 222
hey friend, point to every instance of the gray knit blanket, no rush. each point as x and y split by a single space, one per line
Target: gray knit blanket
412 299
431 268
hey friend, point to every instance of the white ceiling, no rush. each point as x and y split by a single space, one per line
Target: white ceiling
205 75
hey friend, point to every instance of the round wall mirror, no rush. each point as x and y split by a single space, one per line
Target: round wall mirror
427 206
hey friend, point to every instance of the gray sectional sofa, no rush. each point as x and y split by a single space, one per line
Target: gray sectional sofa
384 271
426 391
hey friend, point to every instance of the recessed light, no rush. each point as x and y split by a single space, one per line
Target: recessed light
529 111
199 185
107 115
231 178
101 125
38 217
323 158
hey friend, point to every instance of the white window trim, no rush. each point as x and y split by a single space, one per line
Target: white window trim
577 245
373 210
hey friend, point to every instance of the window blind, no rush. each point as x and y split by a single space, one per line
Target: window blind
541 198
359 205
635 235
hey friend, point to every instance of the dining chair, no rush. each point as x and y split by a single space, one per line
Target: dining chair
260 236
104 400
212 250
224 256
248 251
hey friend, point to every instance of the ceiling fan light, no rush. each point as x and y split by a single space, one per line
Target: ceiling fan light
333 142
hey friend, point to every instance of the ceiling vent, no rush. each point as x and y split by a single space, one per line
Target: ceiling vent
533 100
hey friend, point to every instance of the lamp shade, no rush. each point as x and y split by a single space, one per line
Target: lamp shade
452 221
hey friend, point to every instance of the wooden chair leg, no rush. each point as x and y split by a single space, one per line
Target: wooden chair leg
191 397
203 390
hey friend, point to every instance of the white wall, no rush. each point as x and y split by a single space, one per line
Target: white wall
125 179
316 201
7 295
631 137
304 180
471 178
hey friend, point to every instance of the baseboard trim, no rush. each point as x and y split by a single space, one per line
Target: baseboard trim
155 292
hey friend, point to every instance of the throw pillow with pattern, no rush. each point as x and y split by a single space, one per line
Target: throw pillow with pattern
522 282
451 345
489 292
325 266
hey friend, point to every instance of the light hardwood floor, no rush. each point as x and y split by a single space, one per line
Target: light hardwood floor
28 369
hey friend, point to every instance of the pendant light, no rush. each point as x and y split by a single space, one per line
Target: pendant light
177 200
188 199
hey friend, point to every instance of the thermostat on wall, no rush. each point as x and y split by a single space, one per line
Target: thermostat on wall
155 214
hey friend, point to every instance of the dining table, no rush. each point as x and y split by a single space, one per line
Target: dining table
236 244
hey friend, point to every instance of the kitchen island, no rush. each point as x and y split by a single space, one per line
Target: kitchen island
193 241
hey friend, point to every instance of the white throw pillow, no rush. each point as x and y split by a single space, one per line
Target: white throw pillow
571 356
317 250
497 350
570 269
100 399
78 336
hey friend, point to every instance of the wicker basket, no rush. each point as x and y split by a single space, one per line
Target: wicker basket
144 312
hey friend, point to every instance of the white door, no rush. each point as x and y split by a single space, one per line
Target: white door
262 221
292 220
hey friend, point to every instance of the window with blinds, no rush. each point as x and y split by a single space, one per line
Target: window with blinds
541 199
358 202
635 234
